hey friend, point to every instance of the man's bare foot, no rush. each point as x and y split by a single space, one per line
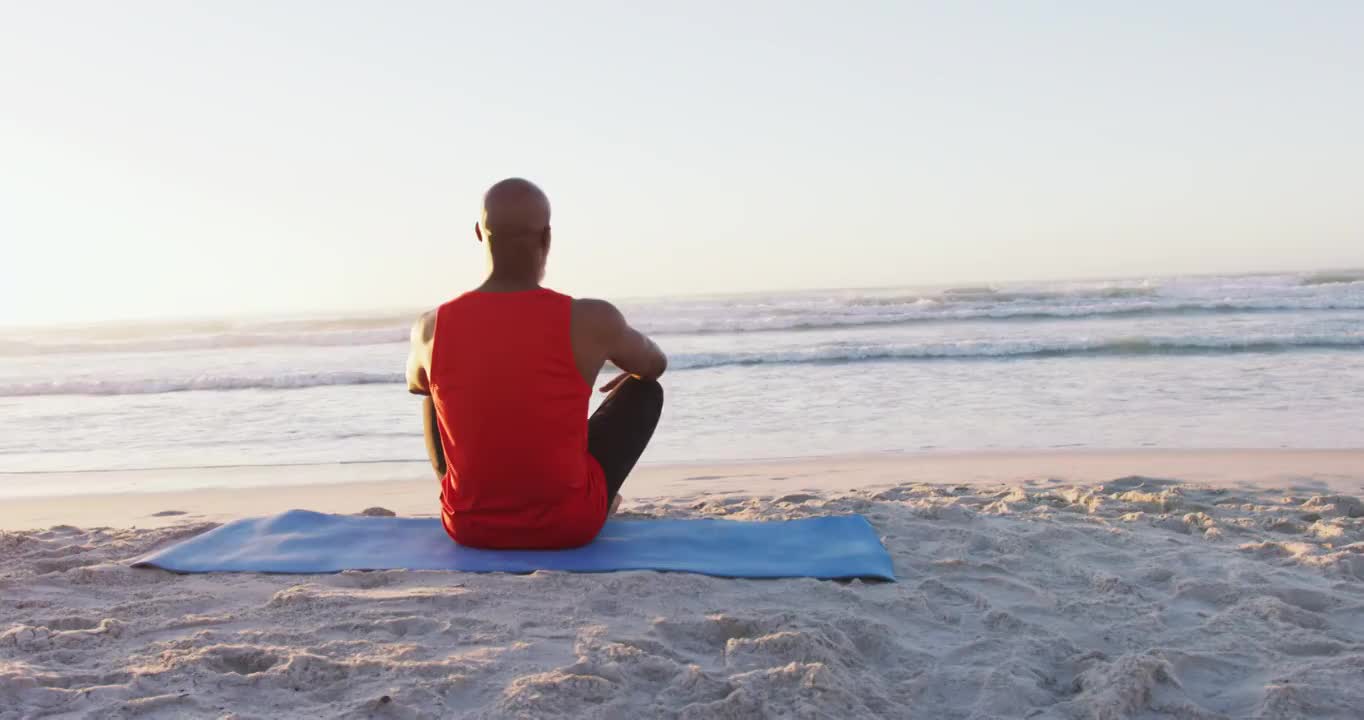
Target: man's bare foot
615 505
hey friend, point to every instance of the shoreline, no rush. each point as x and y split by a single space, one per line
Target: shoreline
407 488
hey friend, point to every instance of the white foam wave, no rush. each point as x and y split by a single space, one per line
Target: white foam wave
151 387
829 310
822 317
826 354
372 336
986 350
912 315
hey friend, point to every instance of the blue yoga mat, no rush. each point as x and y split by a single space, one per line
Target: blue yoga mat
299 541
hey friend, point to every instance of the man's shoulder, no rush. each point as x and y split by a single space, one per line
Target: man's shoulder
597 316
596 310
424 327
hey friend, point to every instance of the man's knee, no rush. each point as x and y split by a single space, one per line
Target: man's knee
650 390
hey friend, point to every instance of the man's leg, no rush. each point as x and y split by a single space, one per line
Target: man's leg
431 429
619 430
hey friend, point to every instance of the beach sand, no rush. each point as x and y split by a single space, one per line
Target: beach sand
1218 584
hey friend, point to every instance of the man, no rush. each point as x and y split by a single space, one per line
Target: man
508 369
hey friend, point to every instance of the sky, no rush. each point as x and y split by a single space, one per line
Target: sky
172 159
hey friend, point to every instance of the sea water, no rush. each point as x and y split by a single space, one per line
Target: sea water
1186 362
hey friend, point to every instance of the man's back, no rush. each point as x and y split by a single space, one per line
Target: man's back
509 369
512 403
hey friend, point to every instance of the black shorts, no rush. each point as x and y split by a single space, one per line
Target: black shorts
620 429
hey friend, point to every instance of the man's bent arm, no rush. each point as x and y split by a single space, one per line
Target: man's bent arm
631 350
419 356
435 452
419 383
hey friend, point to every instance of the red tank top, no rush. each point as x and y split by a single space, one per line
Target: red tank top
512 411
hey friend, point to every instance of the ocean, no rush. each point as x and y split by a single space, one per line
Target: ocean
1271 360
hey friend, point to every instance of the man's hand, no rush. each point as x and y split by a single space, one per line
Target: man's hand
615 381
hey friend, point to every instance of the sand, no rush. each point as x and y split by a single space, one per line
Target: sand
1041 597
409 489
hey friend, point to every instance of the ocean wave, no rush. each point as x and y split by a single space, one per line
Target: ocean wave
775 319
989 350
823 355
155 387
1335 278
303 338
788 322
985 294
1328 291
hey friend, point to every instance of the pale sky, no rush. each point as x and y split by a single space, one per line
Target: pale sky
175 158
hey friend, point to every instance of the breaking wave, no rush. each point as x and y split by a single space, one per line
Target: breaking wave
791 322
1335 278
1122 347
153 387
850 315
824 355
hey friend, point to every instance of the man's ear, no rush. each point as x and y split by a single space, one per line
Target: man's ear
544 240
478 231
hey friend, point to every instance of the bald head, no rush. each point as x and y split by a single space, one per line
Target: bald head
515 208
516 228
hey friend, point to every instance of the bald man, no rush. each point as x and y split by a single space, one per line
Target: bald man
508 370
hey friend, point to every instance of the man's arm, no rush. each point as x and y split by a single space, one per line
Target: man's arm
627 348
419 383
419 355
